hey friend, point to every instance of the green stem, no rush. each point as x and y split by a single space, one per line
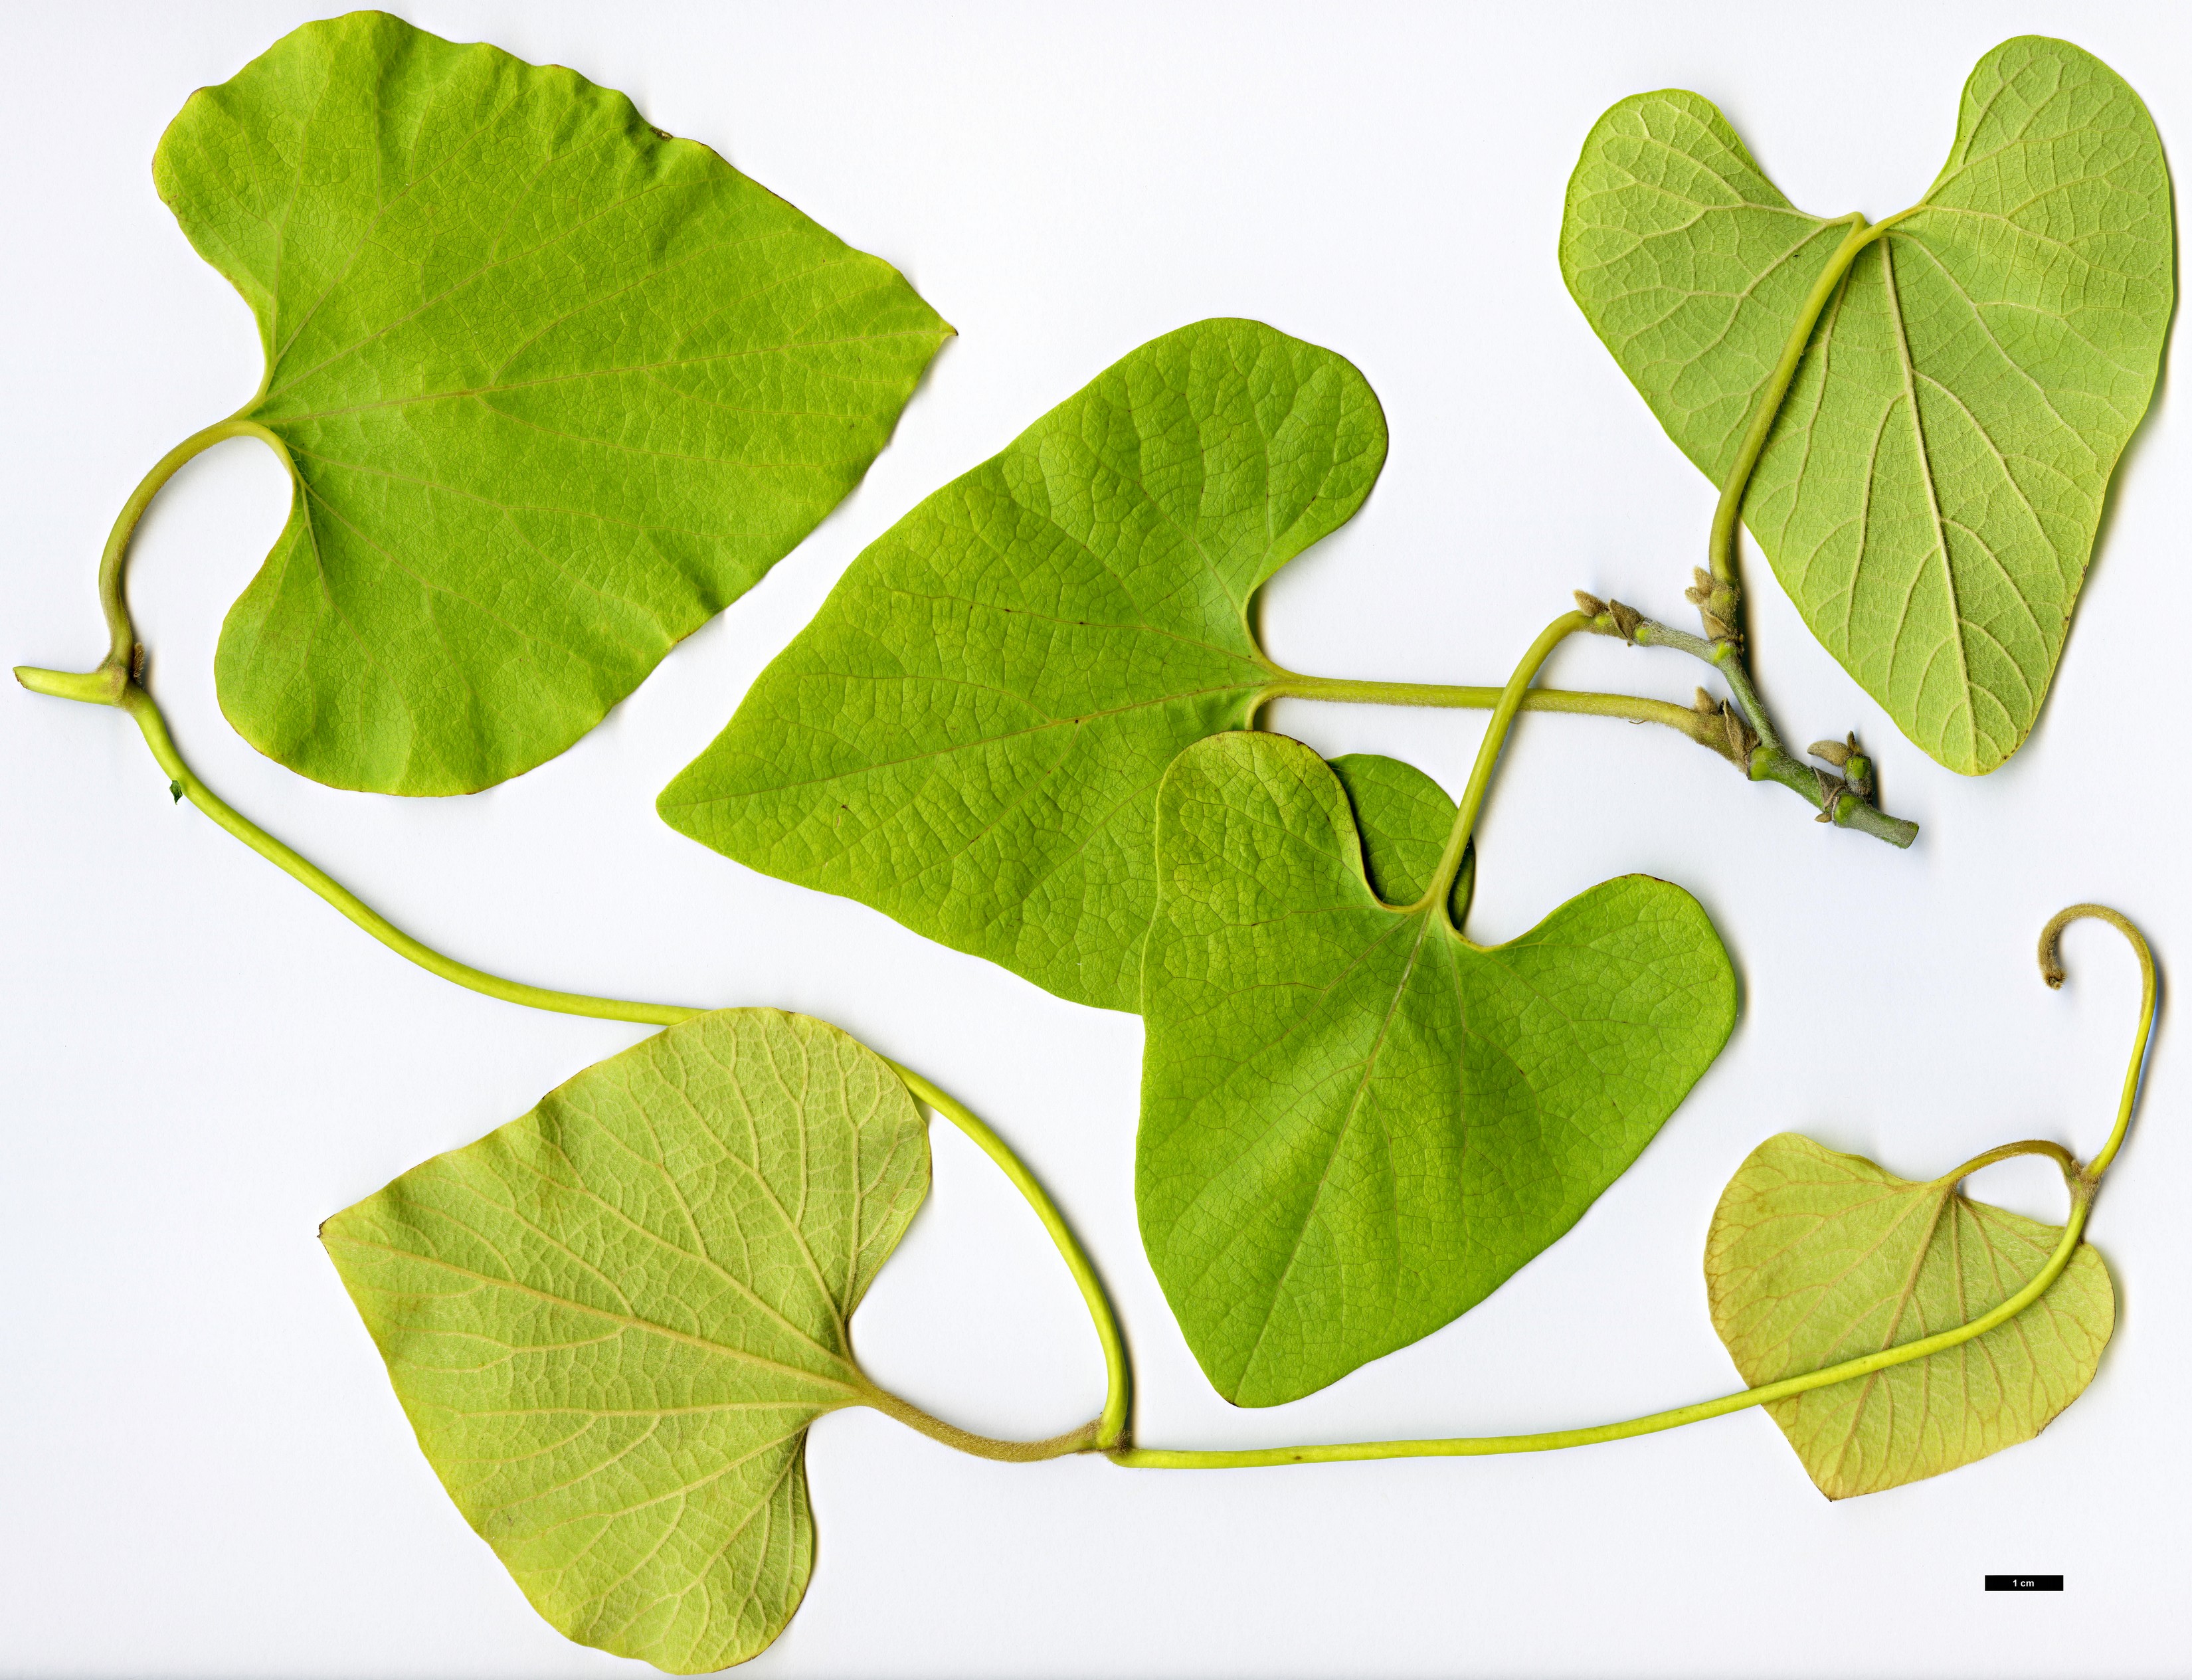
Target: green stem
1081 1440
112 684
1110 1428
1721 546
1634 708
1722 657
122 634
1486 1446
1487 753
139 705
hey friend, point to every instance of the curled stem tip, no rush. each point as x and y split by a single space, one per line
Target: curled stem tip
2051 971
2051 961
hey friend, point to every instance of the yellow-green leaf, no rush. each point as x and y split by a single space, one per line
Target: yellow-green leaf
1815 1257
1932 488
554 388
612 1320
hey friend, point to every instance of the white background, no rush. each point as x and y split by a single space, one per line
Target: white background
202 1470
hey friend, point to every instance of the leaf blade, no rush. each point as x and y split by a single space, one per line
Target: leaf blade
969 735
1355 1125
553 388
1815 1257
611 1322
1933 487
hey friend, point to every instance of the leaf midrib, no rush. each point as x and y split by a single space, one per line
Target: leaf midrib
1339 1142
1042 728
628 1321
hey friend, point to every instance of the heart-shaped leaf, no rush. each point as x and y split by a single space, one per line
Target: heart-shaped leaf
1356 1124
1815 1257
1931 490
970 733
554 389
612 1320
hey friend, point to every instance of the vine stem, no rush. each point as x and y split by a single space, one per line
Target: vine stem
1100 1434
1486 1446
115 683
1105 1433
2082 1184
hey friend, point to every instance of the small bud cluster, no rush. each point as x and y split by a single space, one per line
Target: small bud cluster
1716 602
1856 777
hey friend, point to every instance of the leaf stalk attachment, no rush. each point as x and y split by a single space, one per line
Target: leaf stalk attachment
1720 546
1108 1429
1081 1440
1487 754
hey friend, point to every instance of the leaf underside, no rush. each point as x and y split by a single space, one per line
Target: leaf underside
553 388
1356 1124
969 735
1815 1257
612 1320
1931 491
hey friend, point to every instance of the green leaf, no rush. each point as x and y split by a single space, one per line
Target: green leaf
970 733
1931 490
1815 1257
612 1320
1356 1123
554 389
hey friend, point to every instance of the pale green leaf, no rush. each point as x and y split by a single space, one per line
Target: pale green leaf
553 388
970 733
612 1320
1815 1257
1356 1123
1931 491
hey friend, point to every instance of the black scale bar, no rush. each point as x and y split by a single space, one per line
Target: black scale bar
2024 1583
